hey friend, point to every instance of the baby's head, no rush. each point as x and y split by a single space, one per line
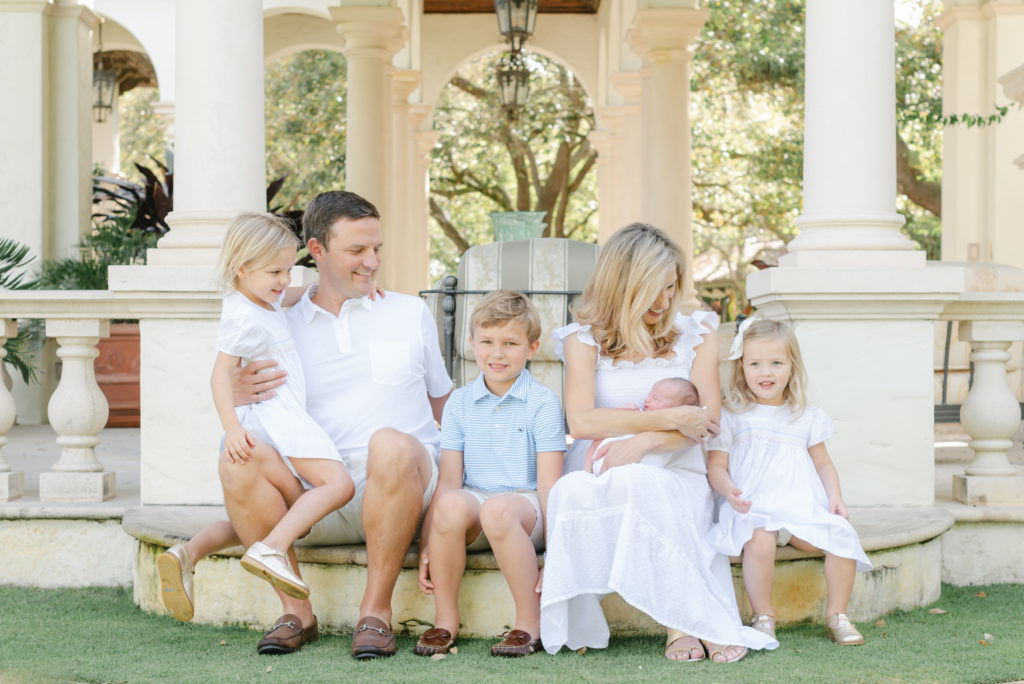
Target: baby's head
505 334
672 392
770 369
253 240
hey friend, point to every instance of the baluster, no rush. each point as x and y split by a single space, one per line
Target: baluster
77 412
991 415
12 482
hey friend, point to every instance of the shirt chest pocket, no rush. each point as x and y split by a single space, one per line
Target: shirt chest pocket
390 362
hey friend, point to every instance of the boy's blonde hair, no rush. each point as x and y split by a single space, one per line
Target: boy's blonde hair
739 397
500 306
253 240
629 276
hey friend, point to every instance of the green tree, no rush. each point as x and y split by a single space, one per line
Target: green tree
484 161
142 132
305 122
748 81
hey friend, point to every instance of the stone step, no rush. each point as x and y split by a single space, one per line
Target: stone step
902 543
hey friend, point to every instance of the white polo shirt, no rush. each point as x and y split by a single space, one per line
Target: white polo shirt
370 367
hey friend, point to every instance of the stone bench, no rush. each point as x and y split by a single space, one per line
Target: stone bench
903 544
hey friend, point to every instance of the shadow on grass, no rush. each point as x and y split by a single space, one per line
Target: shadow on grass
99 635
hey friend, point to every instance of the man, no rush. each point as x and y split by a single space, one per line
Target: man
376 382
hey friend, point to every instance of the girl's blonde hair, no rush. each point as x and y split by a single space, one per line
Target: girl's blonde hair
739 397
253 240
629 276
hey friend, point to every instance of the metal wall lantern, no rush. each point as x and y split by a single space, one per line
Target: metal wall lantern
516 20
104 85
513 82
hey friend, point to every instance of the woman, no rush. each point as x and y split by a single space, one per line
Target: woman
639 530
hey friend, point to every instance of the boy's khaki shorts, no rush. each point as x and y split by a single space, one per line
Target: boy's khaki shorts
345 525
536 536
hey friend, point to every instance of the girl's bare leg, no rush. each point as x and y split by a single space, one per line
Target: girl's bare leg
508 520
839 575
332 489
759 570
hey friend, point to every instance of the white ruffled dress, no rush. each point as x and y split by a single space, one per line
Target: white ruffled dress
254 334
769 462
638 530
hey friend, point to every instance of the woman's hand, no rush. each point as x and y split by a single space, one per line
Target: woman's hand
621 452
695 422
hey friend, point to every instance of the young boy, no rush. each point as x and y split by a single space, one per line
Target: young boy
502 448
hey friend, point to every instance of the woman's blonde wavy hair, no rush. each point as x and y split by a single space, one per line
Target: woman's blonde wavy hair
253 240
629 276
740 398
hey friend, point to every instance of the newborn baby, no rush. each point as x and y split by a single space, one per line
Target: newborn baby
666 393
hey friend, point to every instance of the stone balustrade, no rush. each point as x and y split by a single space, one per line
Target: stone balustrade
77 409
990 322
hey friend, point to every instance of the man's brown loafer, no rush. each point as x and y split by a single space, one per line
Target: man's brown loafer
434 641
515 644
287 636
372 639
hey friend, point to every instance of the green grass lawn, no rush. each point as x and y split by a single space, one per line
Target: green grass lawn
99 635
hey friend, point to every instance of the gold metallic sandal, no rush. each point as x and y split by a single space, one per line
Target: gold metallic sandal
672 647
764 624
840 630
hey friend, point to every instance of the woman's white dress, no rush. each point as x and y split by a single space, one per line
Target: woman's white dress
638 530
254 334
769 462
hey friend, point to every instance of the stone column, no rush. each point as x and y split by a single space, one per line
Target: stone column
610 174
662 37
70 97
24 165
78 411
849 136
418 256
857 294
106 141
629 153
219 158
12 482
1013 87
396 224
981 198
372 36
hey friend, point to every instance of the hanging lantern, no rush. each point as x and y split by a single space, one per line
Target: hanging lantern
516 20
104 85
513 82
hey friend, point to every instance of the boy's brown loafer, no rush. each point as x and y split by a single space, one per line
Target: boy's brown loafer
372 639
515 644
287 636
434 641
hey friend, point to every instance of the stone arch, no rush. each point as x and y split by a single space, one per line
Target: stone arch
430 96
125 54
287 30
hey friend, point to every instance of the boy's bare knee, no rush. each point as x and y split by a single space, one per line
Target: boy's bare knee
452 513
499 517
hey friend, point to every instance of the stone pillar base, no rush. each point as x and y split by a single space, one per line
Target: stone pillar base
988 489
12 485
59 487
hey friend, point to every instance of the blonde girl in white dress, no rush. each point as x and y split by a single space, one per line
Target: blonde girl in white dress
772 469
255 262
638 529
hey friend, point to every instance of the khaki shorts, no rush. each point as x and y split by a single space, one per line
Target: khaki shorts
536 536
345 525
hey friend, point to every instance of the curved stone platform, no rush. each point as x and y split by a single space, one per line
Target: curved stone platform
903 544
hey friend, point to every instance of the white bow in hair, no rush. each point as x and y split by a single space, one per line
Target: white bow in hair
736 350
